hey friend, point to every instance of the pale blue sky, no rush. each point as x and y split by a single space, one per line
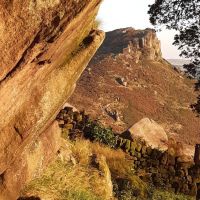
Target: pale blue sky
116 14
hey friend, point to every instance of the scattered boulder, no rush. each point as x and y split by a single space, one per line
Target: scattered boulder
113 113
151 132
121 81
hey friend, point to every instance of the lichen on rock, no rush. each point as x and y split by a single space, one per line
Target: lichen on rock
42 57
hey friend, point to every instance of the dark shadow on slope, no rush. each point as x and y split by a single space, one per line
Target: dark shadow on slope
196 106
29 198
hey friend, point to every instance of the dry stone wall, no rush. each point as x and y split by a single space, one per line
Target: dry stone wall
161 168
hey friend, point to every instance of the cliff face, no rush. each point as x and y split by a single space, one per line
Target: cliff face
137 44
45 45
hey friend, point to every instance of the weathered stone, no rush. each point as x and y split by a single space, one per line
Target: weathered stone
135 44
103 167
164 158
193 189
144 150
68 126
138 147
128 146
61 123
133 145
120 142
31 162
44 49
138 155
77 117
172 171
65 133
150 132
149 150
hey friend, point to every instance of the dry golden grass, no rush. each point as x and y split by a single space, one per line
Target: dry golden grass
82 152
61 181
117 160
66 181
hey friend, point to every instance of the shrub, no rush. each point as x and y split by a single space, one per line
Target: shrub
96 132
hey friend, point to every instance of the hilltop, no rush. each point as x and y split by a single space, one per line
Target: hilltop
128 76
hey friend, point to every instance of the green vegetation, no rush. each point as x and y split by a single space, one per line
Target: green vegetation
182 16
102 141
78 195
166 195
96 132
63 181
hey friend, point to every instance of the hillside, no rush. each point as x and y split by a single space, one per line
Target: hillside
127 80
128 76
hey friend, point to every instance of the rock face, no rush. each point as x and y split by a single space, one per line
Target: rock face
151 132
138 44
45 46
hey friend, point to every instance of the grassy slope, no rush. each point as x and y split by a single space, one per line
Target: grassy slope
82 181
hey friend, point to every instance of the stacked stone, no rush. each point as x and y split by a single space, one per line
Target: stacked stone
71 122
152 165
161 168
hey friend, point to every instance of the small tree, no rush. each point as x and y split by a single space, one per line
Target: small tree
184 17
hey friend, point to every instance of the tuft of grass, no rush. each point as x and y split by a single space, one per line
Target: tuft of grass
167 195
78 195
116 159
66 181
82 152
63 181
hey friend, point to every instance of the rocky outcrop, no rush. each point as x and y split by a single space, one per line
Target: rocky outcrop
136 44
45 46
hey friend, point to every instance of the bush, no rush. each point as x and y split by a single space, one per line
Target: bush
96 132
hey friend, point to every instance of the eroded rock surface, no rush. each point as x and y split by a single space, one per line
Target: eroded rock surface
151 132
138 44
45 46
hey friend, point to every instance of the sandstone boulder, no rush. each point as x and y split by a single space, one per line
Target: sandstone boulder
151 132
45 46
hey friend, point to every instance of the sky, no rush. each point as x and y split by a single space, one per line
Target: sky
116 14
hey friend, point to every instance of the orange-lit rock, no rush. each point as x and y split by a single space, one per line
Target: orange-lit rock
43 53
